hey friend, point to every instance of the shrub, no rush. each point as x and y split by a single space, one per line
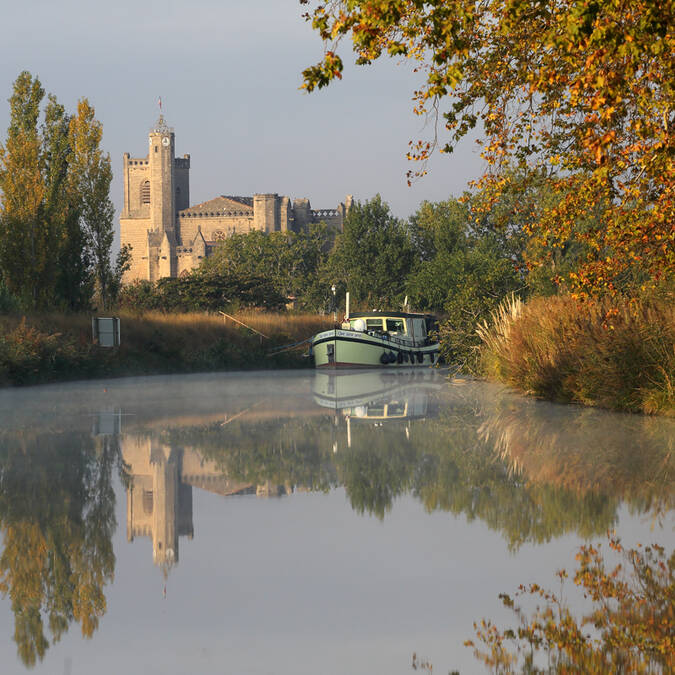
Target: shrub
612 353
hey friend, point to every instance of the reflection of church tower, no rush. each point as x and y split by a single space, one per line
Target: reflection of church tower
172 505
159 505
159 492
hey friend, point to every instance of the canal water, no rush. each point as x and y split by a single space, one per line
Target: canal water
300 522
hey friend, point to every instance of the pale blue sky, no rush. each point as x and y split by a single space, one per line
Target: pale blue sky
229 76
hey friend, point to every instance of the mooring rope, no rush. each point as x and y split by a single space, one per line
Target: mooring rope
277 350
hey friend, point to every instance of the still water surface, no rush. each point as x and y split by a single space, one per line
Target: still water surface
299 522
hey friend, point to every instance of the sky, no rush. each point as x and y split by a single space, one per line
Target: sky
229 76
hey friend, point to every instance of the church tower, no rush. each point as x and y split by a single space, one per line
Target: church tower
169 237
161 153
156 187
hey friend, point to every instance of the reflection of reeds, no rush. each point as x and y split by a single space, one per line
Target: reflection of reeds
585 450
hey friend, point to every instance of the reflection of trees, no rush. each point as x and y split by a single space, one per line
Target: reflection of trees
532 471
523 512
376 469
279 451
57 519
587 451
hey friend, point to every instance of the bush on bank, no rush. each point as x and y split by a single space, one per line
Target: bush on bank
615 354
48 348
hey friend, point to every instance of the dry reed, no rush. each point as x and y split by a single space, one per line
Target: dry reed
615 354
53 347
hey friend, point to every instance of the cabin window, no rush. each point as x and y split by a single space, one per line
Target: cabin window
373 324
395 326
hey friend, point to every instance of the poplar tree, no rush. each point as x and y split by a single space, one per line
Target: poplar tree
56 217
91 174
24 246
69 268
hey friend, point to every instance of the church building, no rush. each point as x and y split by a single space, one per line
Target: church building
169 237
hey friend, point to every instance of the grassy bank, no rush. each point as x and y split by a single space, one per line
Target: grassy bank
57 347
613 354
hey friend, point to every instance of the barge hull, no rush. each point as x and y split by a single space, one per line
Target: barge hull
350 349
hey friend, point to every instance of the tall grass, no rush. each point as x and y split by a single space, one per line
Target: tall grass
615 354
54 347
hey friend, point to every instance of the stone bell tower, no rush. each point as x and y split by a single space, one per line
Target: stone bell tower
162 189
156 188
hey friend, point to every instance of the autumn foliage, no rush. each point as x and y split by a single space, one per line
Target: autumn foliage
580 90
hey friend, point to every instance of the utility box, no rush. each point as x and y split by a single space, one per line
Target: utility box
106 331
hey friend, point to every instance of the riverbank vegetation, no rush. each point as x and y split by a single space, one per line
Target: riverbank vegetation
616 354
58 347
454 258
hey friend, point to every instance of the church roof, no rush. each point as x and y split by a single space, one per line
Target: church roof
220 205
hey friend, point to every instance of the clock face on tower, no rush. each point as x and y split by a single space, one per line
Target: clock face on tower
165 141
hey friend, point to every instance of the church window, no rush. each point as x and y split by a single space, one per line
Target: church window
145 192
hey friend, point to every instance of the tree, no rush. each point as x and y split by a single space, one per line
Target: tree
467 267
372 256
70 262
56 217
244 254
24 243
579 89
290 261
632 617
91 175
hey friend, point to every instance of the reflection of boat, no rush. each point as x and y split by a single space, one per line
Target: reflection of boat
377 395
378 339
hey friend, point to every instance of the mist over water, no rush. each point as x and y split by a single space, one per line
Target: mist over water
299 522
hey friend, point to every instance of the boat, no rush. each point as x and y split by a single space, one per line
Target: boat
378 339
